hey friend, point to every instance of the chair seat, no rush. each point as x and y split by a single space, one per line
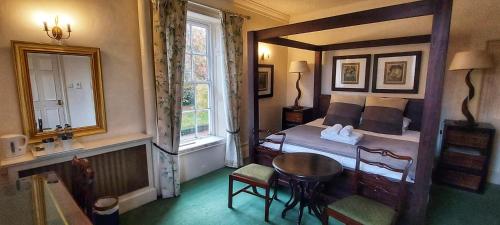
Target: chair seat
255 172
364 210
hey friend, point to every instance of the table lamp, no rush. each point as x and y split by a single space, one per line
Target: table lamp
470 60
298 67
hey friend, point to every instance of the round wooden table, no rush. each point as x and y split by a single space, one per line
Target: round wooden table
306 173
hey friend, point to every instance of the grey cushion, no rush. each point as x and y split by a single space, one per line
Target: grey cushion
344 114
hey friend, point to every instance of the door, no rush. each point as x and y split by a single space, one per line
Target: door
46 87
489 110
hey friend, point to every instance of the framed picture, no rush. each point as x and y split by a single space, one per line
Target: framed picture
265 80
396 72
351 73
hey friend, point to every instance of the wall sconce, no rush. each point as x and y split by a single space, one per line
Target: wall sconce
264 53
56 31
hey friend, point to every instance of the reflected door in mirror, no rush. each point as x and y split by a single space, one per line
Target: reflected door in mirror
61 87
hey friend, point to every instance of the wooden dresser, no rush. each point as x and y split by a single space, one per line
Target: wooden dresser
293 117
465 155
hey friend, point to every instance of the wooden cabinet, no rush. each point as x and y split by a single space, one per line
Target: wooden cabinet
465 155
293 117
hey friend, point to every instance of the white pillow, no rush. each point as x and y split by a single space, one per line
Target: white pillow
406 123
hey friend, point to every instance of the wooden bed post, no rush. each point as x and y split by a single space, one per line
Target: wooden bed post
317 80
253 97
432 105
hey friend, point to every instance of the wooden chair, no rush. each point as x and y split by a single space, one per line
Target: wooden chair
360 209
256 175
83 184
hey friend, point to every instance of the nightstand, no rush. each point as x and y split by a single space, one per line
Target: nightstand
465 155
293 117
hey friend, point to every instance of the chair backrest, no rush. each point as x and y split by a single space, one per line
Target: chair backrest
83 184
266 133
391 192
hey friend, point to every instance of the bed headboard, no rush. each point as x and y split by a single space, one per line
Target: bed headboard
413 110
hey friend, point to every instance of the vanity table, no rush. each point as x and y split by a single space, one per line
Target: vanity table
123 167
61 97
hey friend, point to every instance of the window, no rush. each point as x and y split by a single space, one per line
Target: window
197 99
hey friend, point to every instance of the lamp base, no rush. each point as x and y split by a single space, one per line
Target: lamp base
465 123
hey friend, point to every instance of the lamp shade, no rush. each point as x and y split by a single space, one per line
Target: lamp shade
298 67
475 59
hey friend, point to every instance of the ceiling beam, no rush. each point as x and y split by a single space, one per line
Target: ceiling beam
408 10
378 43
292 44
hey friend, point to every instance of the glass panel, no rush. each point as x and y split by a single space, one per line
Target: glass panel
188 37
202 97
188 97
187 68
203 123
188 125
199 39
200 67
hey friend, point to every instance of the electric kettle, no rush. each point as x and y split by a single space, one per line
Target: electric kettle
12 145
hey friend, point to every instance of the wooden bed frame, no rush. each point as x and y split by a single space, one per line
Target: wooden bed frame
440 10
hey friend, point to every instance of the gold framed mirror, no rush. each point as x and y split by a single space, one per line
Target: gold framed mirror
59 85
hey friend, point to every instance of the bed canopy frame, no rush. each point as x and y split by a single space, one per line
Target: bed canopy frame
440 10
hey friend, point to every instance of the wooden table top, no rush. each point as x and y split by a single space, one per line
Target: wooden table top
307 166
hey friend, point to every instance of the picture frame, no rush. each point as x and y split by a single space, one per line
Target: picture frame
265 82
397 72
351 73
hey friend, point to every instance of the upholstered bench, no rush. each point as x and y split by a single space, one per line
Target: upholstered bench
255 175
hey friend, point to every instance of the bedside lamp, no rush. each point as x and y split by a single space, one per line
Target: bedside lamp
470 60
298 67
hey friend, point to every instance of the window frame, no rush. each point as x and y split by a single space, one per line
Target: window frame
211 81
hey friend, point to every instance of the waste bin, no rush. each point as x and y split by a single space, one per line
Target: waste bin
106 211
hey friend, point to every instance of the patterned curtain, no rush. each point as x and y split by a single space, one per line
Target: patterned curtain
233 45
169 43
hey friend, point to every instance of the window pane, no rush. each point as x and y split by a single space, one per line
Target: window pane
202 97
199 39
187 68
188 38
188 125
188 97
203 123
200 67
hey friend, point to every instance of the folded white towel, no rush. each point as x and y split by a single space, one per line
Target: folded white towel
351 140
333 130
346 131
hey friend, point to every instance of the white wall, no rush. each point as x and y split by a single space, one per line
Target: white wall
111 26
198 163
270 109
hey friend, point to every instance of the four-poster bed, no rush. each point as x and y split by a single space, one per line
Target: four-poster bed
430 112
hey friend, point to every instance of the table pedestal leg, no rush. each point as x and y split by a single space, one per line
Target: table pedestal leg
305 193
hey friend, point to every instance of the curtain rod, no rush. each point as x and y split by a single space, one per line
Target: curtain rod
219 9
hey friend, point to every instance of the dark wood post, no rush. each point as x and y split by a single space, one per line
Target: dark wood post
317 80
253 97
432 105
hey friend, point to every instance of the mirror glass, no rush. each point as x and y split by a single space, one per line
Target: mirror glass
61 88
59 85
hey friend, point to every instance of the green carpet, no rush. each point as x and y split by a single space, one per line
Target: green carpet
204 201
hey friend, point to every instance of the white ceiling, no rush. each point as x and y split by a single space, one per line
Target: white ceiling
293 7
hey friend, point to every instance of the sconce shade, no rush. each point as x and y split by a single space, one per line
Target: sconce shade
476 59
298 67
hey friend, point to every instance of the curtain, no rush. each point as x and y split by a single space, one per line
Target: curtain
233 46
169 43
